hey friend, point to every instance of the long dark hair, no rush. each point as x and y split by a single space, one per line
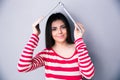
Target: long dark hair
48 32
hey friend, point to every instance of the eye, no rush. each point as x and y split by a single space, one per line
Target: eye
63 26
53 28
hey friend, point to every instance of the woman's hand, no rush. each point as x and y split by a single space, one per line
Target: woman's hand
35 26
78 33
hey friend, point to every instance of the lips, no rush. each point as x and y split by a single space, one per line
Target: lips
62 36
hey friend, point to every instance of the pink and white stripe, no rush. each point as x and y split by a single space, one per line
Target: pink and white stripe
57 67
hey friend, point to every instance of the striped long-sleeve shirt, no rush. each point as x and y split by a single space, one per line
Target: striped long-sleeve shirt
56 67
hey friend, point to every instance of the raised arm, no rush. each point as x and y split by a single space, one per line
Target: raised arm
27 62
86 66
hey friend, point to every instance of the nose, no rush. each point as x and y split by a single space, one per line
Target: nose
59 31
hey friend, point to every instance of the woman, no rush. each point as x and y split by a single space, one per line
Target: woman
63 59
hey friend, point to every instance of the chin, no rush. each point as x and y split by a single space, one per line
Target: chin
60 40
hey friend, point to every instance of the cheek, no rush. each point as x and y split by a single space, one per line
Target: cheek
53 34
65 31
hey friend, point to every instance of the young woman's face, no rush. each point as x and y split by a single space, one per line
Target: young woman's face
59 31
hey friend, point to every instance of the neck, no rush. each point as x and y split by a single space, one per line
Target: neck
60 45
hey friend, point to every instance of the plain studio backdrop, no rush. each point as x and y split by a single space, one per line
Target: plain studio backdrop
101 19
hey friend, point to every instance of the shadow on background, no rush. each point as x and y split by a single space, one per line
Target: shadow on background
1 75
1 2
117 77
118 4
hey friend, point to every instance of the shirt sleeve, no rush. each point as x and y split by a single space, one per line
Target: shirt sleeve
27 62
86 66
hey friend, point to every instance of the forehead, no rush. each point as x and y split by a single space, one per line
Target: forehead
57 23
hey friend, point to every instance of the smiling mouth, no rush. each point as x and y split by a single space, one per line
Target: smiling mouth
60 36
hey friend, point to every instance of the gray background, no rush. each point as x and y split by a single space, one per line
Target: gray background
101 19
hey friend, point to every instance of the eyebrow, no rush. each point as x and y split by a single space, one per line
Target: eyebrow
60 26
63 25
54 27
